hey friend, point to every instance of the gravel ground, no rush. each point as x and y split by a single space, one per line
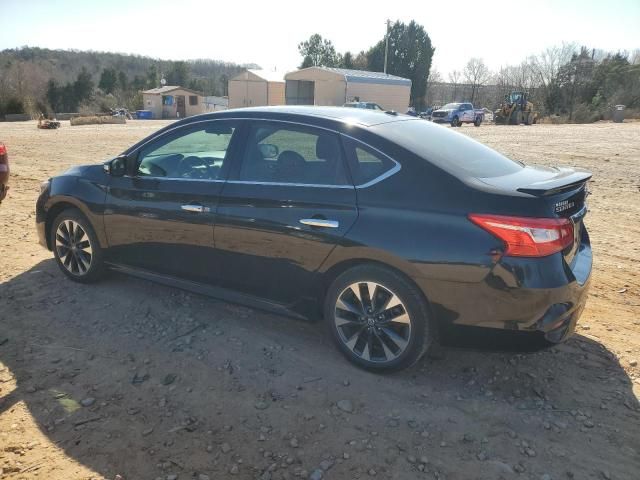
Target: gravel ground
127 379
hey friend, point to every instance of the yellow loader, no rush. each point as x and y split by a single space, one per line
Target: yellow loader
515 110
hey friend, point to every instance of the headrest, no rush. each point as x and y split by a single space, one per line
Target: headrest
327 147
289 158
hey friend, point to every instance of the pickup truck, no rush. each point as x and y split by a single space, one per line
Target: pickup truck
456 114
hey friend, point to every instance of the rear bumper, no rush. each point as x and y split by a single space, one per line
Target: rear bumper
544 295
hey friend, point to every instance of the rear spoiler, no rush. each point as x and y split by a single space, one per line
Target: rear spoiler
567 181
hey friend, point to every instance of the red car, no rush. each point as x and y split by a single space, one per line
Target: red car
4 171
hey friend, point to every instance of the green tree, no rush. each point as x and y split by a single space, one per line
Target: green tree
53 94
123 82
108 80
318 51
83 86
178 74
152 80
347 60
196 84
410 55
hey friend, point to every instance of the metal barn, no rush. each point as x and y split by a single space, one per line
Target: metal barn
336 86
256 88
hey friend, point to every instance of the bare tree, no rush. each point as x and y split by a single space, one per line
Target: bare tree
547 63
476 74
433 80
454 79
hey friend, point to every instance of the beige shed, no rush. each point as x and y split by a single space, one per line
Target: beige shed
256 88
173 102
336 86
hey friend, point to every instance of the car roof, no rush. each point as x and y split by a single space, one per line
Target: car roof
359 116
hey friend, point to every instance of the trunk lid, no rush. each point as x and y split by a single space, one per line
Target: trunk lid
563 190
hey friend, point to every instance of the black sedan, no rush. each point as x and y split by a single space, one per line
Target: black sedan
386 226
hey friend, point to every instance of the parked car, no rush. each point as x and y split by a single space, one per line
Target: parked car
365 105
385 226
456 114
4 171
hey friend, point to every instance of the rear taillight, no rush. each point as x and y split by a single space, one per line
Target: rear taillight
528 237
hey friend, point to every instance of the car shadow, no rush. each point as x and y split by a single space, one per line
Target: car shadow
132 378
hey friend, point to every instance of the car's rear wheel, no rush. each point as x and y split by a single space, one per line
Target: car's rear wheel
378 319
75 247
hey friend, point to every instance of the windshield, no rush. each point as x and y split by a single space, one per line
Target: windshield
451 151
451 106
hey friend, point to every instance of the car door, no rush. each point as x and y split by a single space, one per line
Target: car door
160 217
469 113
283 210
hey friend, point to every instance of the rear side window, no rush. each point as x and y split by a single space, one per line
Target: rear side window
365 163
282 153
453 152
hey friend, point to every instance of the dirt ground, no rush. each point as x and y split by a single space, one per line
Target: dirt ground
147 382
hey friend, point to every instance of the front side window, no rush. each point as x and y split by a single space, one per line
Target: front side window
190 153
282 153
365 163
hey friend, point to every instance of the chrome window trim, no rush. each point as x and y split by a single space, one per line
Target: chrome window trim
288 184
395 169
176 179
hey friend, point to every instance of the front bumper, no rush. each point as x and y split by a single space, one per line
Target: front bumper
440 119
41 218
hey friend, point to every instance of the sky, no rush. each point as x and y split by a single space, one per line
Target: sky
267 32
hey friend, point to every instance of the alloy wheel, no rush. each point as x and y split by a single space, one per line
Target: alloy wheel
73 247
372 322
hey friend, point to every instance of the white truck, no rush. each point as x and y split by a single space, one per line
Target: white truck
456 114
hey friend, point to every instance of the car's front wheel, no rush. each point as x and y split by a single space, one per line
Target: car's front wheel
378 319
75 247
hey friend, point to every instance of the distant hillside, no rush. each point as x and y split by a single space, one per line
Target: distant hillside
26 72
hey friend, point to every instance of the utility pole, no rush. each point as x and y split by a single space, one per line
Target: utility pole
386 45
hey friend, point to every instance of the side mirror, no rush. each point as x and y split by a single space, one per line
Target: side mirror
268 150
116 167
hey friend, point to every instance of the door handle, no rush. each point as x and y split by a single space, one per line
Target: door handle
318 222
194 208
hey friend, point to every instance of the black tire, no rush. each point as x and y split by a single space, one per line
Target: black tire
455 122
75 262
414 331
477 122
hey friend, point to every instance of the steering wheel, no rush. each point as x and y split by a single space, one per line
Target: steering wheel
187 168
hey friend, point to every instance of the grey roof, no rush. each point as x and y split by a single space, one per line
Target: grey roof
363 76
167 89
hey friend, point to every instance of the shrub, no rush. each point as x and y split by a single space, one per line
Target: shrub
583 114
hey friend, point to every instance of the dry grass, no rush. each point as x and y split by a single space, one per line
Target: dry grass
95 120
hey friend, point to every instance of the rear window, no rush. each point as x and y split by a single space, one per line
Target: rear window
365 163
453 152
